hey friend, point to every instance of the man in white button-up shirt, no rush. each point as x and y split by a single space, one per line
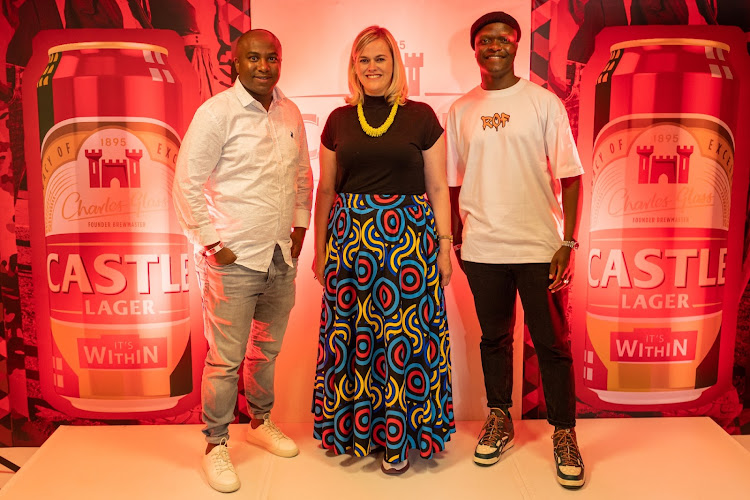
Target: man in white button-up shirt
243 181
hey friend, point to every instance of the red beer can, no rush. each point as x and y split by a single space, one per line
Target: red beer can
116 258
662 180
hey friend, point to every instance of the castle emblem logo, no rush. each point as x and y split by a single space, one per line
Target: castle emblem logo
412 64
675 167
127 172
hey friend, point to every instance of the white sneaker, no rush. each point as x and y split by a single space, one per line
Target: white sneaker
270 437
219 469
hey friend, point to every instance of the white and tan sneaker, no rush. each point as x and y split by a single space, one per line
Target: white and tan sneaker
568 462
270 437
495 438
219 469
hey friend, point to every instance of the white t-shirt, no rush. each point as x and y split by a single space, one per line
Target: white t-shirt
498 145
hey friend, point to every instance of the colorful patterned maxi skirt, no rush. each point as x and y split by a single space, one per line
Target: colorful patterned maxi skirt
383 376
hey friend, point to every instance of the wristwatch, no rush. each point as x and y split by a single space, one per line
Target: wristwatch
573 244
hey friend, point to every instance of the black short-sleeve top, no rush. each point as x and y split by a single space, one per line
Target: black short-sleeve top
389 164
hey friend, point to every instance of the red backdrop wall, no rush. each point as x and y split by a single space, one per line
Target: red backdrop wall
566 56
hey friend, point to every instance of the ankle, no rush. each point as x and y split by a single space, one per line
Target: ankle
257 421
210 446
500 412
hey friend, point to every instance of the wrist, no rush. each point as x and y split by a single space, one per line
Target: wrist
571 244
445 238
213 249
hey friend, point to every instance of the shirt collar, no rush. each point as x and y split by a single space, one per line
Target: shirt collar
246 99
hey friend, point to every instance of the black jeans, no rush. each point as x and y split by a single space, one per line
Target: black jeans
494 288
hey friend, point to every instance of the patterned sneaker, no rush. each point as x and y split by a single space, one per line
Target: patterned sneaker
570 472
219 469
496 437
270 437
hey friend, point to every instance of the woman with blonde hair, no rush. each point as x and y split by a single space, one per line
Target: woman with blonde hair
382 254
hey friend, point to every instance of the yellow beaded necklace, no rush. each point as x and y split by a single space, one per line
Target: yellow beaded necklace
376 132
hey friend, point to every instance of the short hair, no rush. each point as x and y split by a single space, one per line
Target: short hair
494 17
256 31
398 90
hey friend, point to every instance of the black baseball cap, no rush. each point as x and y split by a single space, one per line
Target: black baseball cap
494 17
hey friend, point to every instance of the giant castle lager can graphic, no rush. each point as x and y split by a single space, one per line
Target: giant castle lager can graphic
662 177
116 259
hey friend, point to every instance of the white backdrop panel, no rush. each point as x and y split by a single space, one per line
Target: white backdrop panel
316 38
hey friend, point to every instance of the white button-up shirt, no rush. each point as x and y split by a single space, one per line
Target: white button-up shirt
243 176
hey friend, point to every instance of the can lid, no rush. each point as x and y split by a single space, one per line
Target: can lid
108 45
669 41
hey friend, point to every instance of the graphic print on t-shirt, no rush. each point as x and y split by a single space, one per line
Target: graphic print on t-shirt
495 121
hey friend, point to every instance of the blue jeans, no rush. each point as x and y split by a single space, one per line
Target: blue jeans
494 288
245 314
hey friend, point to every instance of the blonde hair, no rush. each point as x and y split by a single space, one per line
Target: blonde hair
398 90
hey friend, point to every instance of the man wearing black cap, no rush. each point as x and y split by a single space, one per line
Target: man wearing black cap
515 172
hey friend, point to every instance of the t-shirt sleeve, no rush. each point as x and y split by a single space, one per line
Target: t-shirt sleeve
431 128
558 139
327 137
453 168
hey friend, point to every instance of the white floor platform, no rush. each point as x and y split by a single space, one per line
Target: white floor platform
685 458
18 456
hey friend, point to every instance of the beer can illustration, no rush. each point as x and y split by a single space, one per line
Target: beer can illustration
662 178
116 258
